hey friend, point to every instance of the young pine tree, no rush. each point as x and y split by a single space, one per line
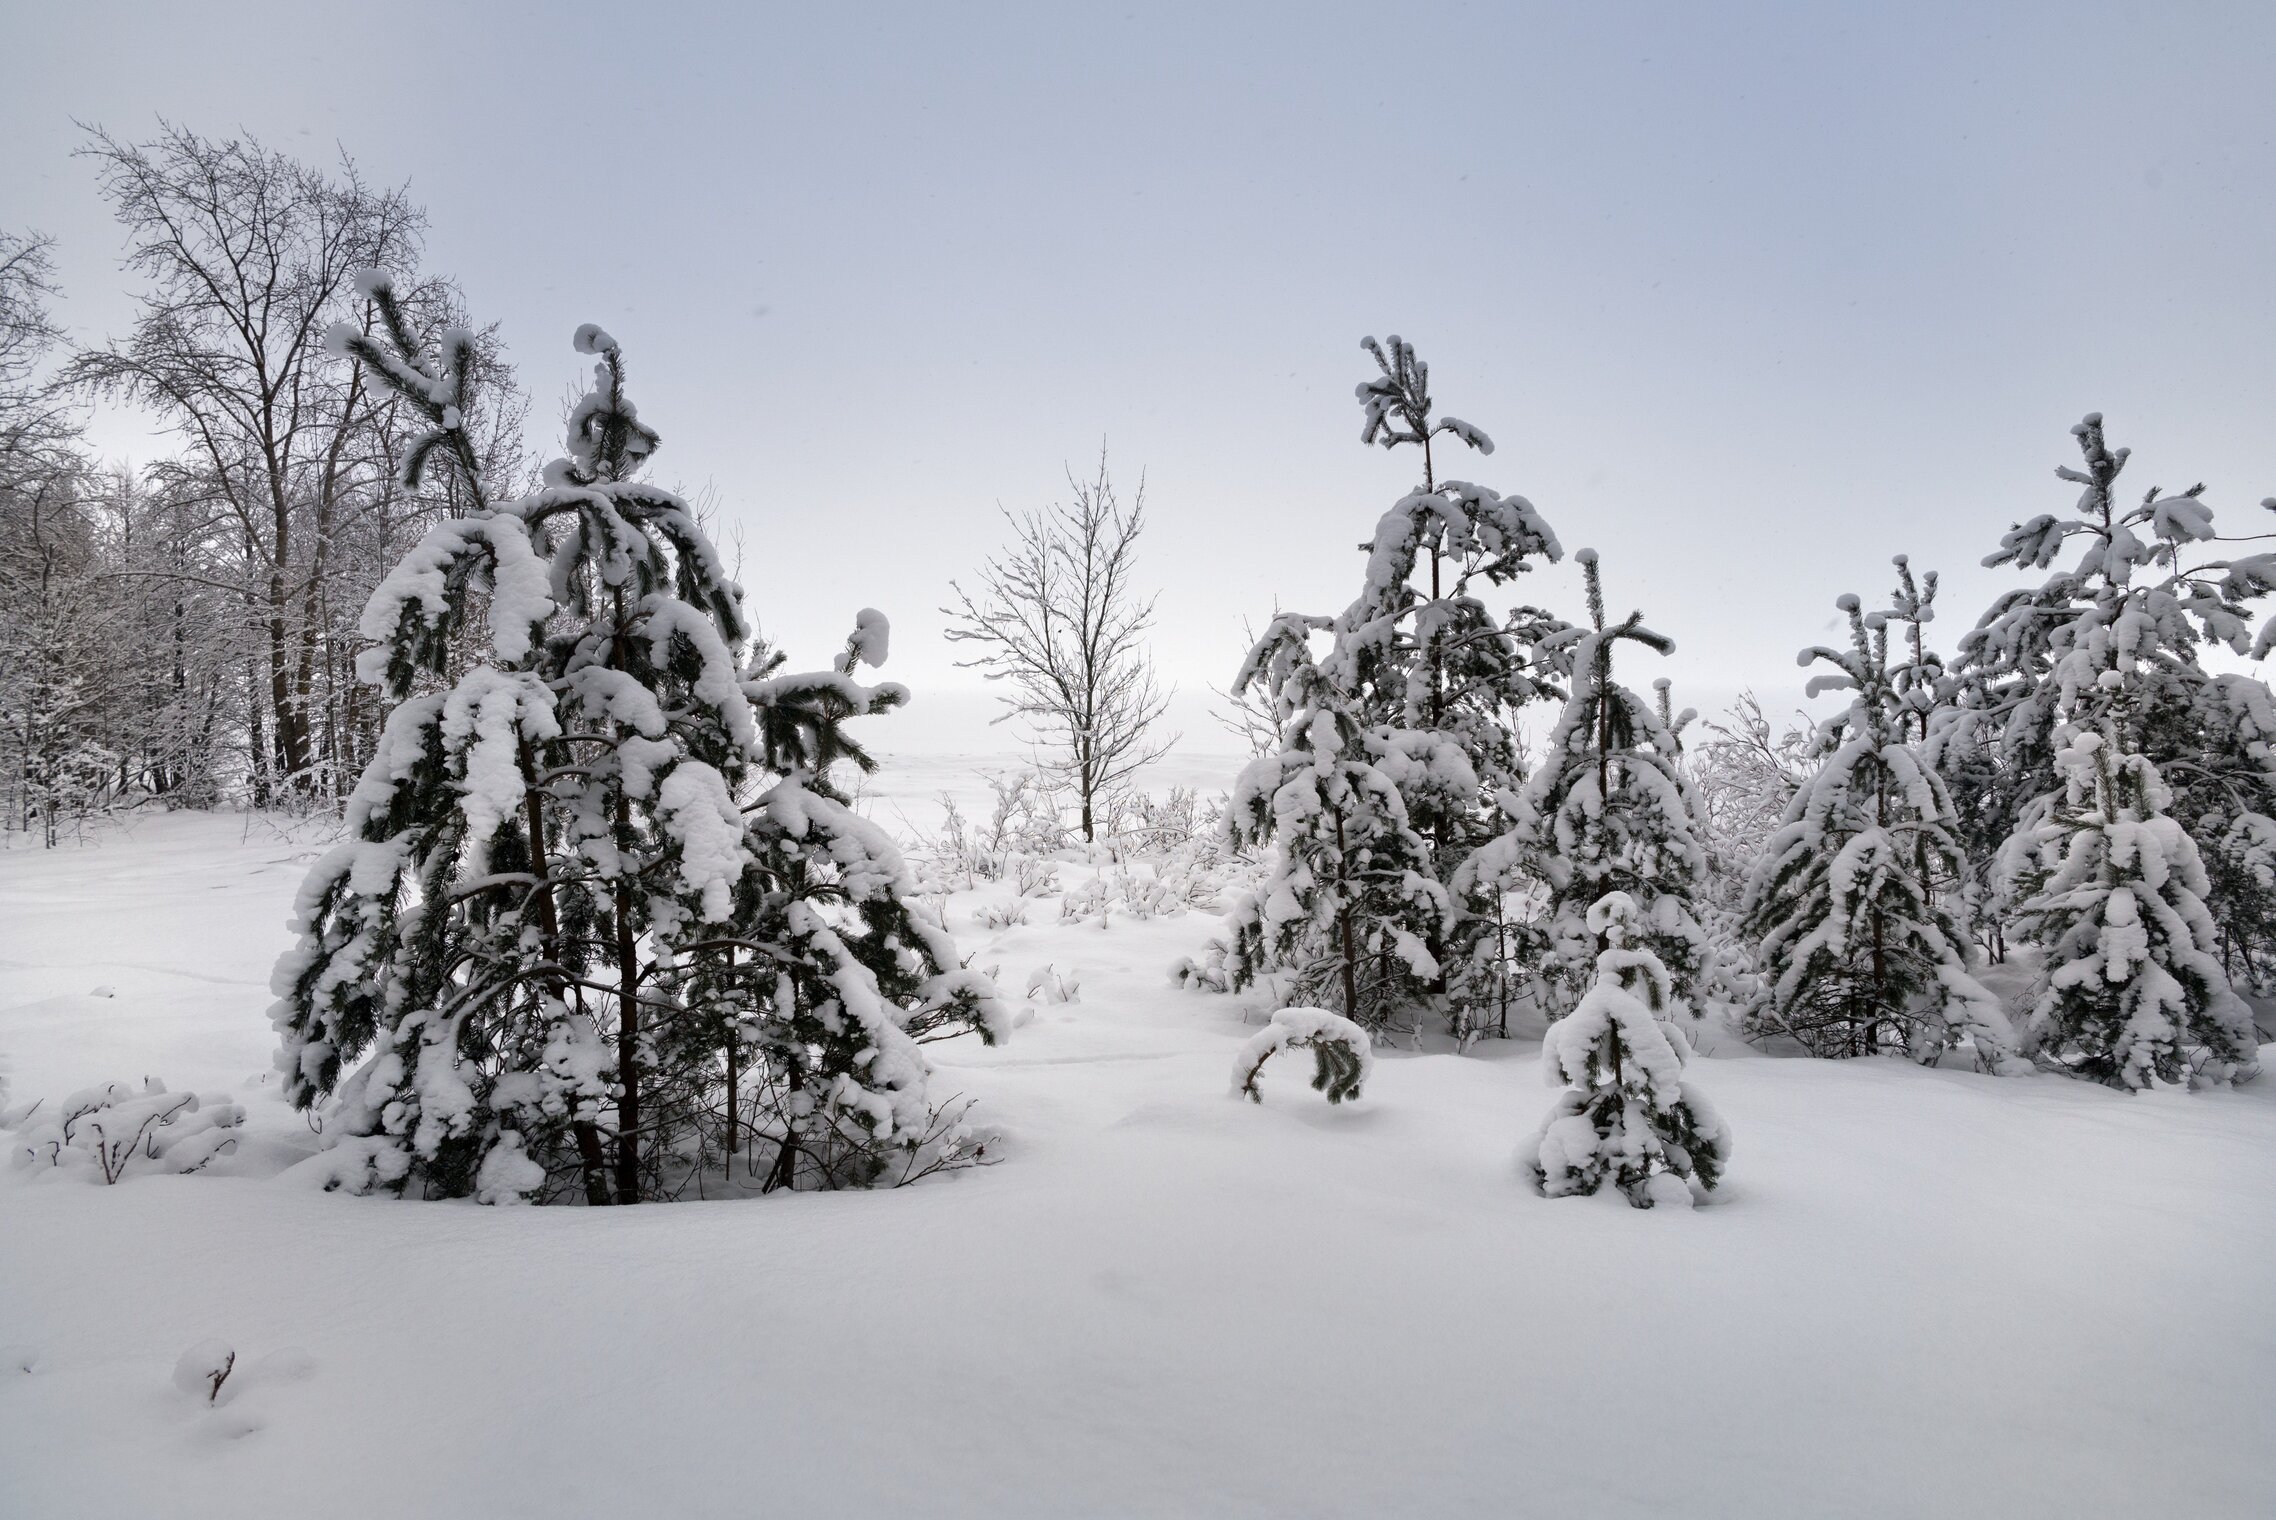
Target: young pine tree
1627 1117
1442 678
2130 993
1858 950
552 933
1608 810
1420 683
1349 905
2124 628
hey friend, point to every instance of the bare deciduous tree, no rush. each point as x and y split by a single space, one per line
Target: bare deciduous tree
1060 618
286 497
249 256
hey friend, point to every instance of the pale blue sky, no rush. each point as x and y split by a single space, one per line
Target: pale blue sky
1751 296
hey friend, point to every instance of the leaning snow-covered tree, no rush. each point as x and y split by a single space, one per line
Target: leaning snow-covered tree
1060 619
1627 1117
1859 952
2125 628
554 944
2130 993
1607 810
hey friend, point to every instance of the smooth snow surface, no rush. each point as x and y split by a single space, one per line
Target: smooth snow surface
1921 1293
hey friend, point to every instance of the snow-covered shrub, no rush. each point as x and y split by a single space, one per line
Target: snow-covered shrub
1033 876
1146 895
1627 1117
1003 913
1207 972
1045 984
1343 1054
1025 827
1093 899
2130 992
602 914
110 1130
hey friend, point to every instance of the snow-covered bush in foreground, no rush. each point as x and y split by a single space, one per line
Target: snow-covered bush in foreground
110 1130
2130 993
1343 1054
1627 1118
601 916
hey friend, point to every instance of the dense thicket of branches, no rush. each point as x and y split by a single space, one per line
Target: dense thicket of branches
187 630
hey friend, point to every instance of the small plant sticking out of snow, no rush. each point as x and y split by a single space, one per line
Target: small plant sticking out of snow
204 1368
1001 915
1209 973
1046 985
1626 1117
107 1131
1093 899
1343 1054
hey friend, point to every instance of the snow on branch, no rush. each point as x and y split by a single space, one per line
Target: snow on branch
1343 1053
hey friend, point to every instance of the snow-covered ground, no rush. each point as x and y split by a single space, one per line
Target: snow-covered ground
1921 1293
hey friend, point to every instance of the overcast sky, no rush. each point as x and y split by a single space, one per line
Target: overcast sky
1751 297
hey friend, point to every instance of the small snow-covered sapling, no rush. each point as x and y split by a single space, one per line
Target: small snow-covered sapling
204 1368
1343 1053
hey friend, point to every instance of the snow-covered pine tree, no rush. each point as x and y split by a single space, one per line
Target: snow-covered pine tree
1421 681
1442 677
1859 951
1608 810
1627 1117
1349 906
534 938
2130 993
834 974
2132 606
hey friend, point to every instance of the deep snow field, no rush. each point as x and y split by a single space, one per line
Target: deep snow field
1920 1293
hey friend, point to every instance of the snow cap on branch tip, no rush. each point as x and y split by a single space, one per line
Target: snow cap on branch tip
1661 683
1848 601
1584 556
592 338
1614 915
338 337
371 282
872 636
